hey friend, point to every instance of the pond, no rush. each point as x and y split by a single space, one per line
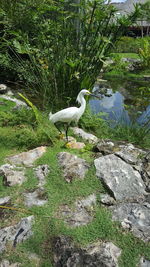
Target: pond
128 101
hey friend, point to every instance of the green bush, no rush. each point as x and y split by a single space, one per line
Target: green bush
17 117
144 53
129 44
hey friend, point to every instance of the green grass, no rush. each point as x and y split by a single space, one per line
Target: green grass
47 223
125 55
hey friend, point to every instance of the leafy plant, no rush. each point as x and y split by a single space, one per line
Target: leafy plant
144 54
57 48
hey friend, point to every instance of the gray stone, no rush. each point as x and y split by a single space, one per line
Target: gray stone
81 214
120 178
144 262
12 175
19 103
75 145
73 166
107 199
92 139
135 217
4 200
35 198
97 254
106 147
16 233
41 172
130 154
6 263
27 158
146 171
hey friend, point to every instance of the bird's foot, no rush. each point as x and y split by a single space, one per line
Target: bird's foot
68 145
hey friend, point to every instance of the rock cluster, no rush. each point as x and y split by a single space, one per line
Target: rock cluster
96 254
124 170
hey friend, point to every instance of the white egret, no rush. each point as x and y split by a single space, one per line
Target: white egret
70 114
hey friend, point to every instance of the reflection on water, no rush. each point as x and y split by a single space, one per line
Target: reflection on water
126 104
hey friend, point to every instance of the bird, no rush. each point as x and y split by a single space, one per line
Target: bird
71 114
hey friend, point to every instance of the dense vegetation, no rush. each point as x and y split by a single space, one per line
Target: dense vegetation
57 48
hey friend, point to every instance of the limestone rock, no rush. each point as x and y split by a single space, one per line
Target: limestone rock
35 198
12 175
4 200
6 263
75 145
135 217
146 171
19 103
73 166
41 172
97 254
81 214
92 139
130 154
120 178
16 233
27 158
107 199
106 147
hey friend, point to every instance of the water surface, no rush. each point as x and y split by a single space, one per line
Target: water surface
129 101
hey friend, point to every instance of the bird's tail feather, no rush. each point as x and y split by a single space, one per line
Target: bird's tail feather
50 115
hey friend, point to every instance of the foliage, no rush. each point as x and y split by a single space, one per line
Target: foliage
129 44
94 123
134 133
144 54
57 48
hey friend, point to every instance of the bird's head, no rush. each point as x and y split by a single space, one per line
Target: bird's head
82 93
85 92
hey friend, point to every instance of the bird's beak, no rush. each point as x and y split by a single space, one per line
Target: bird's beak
95 96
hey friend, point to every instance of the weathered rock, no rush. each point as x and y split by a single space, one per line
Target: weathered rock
135 217
92 139
97 254
106 147
130 154
41 172
81 214
146 171
6 263
121 179
19 103
16 233
3 88
144 263
27 158
107 199
4 200
36 198
73 166
12 175
75 145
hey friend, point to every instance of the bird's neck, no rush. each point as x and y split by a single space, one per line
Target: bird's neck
83 106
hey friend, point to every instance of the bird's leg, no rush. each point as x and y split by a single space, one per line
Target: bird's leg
67 132
58 128
60 132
